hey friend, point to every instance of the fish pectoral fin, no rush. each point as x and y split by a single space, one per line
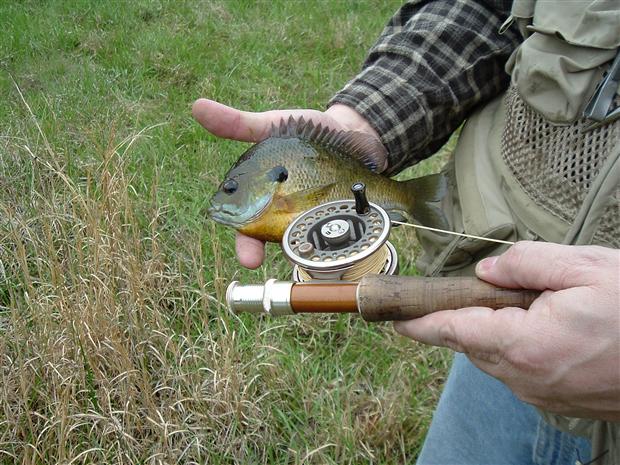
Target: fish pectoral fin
306 198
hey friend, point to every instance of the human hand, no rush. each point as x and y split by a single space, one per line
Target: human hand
563 354
230 123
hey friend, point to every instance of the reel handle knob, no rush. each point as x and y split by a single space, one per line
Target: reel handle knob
362 207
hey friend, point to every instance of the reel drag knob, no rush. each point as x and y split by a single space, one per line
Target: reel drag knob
336 232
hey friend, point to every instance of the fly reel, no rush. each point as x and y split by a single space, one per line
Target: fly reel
342 240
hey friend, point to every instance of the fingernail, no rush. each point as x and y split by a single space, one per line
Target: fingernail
486 264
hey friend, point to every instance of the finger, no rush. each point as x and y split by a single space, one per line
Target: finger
480 332
542 265
250 251
230 123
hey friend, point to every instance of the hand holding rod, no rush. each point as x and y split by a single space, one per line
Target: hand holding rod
375 297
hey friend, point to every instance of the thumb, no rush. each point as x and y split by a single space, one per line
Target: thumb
540 266
230 123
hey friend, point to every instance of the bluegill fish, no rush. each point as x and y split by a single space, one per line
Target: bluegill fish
302 165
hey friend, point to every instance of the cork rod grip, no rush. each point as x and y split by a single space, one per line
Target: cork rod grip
387 298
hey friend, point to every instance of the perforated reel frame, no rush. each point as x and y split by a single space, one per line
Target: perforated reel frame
367 234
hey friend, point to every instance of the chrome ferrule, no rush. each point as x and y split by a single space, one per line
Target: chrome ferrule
273 297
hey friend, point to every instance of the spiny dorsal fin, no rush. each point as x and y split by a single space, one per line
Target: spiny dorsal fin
361 146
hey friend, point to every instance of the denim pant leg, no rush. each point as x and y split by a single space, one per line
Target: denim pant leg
479 421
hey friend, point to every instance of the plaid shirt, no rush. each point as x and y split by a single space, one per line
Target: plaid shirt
432 64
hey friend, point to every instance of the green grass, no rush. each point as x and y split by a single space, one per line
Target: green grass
114 343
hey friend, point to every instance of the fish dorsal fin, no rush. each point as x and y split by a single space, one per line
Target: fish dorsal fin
365 148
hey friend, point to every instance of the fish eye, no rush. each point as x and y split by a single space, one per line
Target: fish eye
230 186
279 174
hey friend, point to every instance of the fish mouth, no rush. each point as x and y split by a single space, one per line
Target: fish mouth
225 222
235 220
218 215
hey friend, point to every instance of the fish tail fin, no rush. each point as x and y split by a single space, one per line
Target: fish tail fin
427 192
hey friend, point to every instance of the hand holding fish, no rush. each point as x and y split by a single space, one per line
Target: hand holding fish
230 123
562 354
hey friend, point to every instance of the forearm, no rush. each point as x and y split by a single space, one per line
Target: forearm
433 63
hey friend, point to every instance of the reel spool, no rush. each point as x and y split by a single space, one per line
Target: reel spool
342 240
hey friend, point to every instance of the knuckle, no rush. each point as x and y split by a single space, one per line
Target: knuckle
516 254
527 397
535 399
494 358
596 257
448 336
588 264
529 362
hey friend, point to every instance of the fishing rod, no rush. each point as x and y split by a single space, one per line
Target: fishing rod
343 263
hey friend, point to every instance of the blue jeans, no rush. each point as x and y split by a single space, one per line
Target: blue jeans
479 421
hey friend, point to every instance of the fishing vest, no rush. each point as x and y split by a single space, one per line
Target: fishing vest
530 166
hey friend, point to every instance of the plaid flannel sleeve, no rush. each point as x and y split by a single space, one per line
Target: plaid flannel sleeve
433 63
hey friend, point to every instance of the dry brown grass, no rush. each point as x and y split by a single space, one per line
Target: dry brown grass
115 350
114 343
